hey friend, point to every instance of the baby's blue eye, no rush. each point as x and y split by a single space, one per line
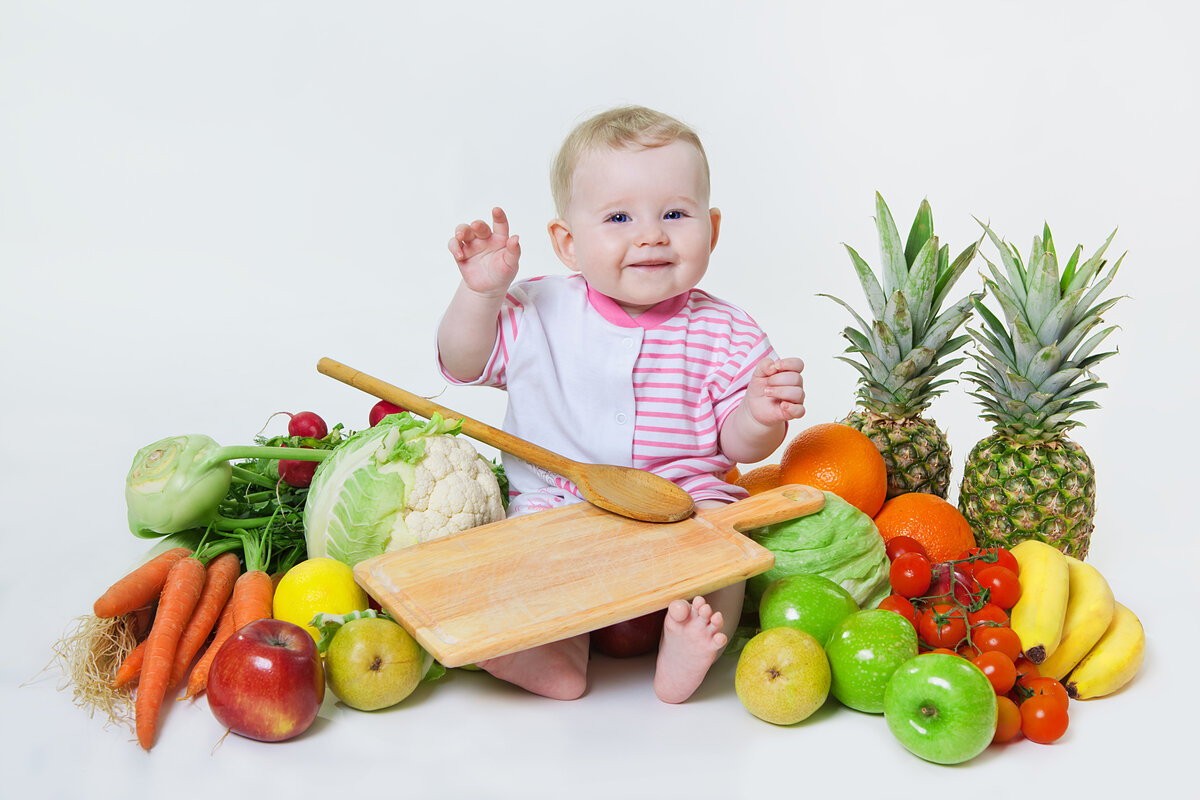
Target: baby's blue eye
674 215
618 217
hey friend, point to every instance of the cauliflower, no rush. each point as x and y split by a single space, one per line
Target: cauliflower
453 489
402 482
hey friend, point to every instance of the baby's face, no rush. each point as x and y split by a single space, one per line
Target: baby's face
638 225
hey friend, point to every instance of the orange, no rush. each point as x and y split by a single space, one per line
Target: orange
937 525
760 479
733 475
837 458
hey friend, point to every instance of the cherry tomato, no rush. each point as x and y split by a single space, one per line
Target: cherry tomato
306 423
988 614
899 545
381 410
910 575
968 650
901 605
1042 686
998 668
994 639
944 650
1004 588
1008 720
1043 720
984 557
943 626
1025 668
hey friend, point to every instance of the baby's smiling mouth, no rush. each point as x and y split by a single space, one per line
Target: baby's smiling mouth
650 263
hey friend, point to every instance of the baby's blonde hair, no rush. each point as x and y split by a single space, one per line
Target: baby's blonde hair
623 128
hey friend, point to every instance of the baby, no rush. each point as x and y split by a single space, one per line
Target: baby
625 362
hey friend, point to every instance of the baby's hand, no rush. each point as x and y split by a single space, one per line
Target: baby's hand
776 391
486 257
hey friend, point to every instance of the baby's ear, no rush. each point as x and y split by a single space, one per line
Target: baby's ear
714 215
563 242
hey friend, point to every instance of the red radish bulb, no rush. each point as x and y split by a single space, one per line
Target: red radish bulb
309 424
381 410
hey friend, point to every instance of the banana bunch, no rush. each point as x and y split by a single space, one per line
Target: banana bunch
1070 625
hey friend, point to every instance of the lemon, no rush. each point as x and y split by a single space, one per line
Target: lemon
315 586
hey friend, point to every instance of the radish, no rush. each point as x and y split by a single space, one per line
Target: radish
307 423
381 410
297 473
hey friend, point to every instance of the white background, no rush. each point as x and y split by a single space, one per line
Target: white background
197 201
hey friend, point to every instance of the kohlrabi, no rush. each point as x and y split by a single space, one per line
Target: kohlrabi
179 483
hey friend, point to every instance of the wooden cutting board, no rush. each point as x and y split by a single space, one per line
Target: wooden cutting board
522 582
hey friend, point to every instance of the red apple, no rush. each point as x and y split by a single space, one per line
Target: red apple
633 637
266 682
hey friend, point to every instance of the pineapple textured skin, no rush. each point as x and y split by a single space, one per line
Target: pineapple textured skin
914 450
1012 491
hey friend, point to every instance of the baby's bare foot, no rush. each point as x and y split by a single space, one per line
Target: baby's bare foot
691 642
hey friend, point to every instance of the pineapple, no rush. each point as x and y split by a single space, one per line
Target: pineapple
1028 480
905 347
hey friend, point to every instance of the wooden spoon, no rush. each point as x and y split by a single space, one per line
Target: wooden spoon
627 491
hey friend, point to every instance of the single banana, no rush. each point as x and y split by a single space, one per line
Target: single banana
1113 661
1089 611
1038 616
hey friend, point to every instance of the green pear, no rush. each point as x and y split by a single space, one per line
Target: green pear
782 675
373 663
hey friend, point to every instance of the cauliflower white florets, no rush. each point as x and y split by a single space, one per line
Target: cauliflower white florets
453 490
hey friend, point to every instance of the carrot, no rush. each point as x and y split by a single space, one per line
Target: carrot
198 680
131 667
180 593
251 600
140 587
258 593
218 586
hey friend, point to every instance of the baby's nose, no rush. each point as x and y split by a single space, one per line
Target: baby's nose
653 233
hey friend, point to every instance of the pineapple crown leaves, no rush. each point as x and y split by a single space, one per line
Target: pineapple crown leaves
904 346
1030 365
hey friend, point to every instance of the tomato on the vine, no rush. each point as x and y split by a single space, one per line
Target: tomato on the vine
1025 668
1043 720
998 669
979 558
1008 720
901 605
910 575
1004 588
997 639
899 545
989 613
1042 686
943 625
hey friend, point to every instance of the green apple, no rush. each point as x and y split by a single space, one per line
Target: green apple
373 663
864 650
812 603
782 676
941 708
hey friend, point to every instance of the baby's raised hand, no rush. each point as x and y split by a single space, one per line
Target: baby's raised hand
776 391
486 256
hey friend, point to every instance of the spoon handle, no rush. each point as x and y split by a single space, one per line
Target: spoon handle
423 407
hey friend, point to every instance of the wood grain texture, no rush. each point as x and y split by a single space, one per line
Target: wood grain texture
518 583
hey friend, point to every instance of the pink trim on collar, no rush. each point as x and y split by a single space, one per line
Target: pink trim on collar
650 318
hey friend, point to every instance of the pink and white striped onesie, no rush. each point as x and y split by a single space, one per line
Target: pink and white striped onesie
586 380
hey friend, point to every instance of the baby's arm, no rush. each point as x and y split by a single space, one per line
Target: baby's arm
758 426
487 259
